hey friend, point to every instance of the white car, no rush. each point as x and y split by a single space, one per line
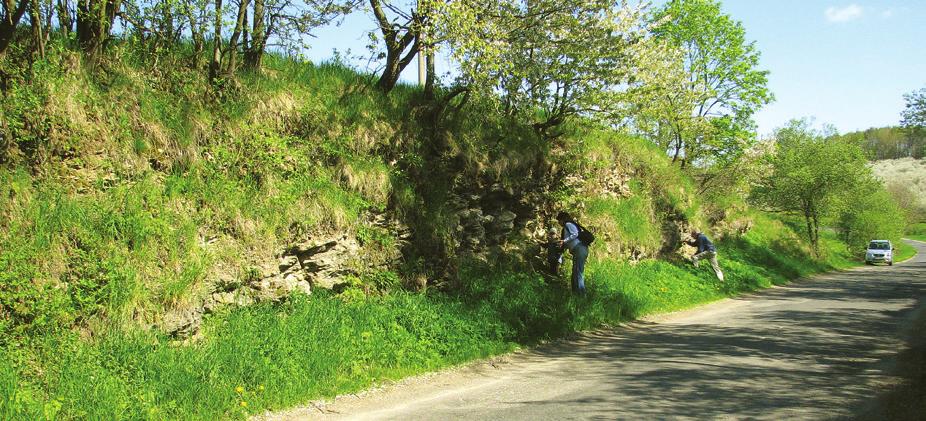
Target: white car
879 251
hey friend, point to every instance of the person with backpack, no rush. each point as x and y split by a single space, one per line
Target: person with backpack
572 238
706 250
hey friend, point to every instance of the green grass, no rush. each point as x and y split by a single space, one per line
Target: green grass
320 346
916 231
904 251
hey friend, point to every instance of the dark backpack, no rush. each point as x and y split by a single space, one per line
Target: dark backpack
585 236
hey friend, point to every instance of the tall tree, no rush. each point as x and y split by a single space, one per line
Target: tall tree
550 60
94 21
287 22
65 21
215 64
914 122
38 28
13 11
708 115
197 17
811 174
400 37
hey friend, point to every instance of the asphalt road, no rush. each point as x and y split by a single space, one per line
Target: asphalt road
819 348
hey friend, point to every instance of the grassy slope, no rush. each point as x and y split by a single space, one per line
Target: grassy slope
111 230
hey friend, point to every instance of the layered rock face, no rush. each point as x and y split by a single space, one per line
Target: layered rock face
299 268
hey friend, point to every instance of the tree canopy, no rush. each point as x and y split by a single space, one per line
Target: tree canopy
546 61
811 174
914 121
706 114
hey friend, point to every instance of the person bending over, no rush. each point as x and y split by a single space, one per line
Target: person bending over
706 250
577 248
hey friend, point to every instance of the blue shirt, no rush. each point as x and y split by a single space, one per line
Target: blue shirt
704 244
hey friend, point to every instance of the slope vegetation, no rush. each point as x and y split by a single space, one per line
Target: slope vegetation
167 252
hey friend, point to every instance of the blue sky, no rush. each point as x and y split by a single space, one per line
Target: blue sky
845 63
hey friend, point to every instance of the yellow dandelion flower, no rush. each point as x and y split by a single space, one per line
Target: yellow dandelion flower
260 388
244 404
239 389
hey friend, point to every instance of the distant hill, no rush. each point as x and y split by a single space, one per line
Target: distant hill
888 143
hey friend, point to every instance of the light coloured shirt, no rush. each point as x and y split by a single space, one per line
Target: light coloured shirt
571 235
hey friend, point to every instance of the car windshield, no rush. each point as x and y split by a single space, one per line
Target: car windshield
877 245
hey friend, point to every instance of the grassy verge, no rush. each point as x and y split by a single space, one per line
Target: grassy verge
916 232
276 356
904 252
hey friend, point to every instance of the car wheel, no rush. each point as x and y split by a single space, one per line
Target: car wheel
891 263
867 263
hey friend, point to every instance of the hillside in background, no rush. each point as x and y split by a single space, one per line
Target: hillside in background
888 142
905 178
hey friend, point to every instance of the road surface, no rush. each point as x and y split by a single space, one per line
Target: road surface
818 348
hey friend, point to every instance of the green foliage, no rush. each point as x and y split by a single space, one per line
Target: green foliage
870 213
812 176
882 142
130 189
914 122
548 61
916 231
700 107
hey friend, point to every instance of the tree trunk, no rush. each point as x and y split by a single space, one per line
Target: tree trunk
216 64
395 63
678 147
9 23
395 46
431 75
813 245
196 33
255 52
816 234
50 7
38 36
94 21
232 50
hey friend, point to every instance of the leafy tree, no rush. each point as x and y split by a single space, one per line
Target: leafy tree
547 61
908 201
811 175
706 115
286 22
914 121
870 213
882 142
401 37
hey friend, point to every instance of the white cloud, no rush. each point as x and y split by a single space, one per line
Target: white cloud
843 14
887 13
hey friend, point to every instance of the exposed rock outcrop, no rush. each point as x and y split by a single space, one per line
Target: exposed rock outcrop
317 263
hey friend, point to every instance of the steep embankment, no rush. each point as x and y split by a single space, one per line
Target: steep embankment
158 240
